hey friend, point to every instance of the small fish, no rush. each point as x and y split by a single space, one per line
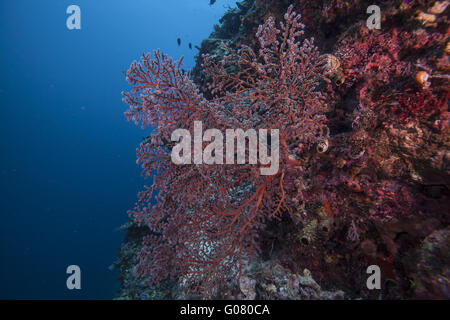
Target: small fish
190 45
211 2
198 48
179 41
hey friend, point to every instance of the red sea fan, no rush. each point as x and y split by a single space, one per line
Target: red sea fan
275 87
205 219
421 104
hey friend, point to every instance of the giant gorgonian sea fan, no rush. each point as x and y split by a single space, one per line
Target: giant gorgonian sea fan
205 219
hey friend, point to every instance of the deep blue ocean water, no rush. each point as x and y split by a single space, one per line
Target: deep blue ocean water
67 154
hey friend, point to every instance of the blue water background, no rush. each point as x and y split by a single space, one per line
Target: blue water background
67 154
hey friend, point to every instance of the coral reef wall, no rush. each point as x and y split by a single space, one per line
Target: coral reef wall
376 190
